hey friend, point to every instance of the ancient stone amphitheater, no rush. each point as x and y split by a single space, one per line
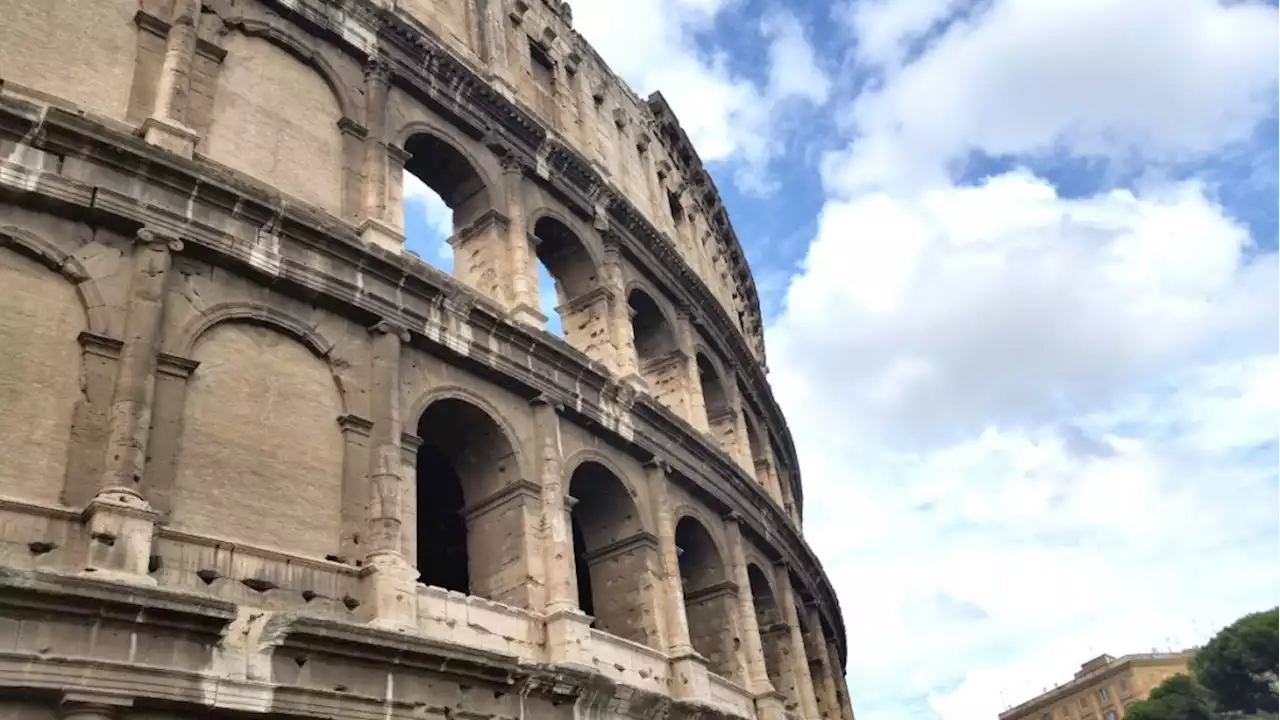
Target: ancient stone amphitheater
257 460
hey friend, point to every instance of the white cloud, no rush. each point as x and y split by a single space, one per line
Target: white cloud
1035 428
661 45
1160 79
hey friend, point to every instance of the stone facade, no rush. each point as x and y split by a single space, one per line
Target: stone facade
257 459
1103 687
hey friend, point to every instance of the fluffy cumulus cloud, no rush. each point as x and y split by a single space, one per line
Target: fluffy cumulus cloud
730 114
1036 426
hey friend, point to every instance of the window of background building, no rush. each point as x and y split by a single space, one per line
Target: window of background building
1102 694
1111 715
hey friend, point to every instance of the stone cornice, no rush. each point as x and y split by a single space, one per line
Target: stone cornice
368 284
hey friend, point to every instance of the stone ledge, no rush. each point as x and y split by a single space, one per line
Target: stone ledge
76 595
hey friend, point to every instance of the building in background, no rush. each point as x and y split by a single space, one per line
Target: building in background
1102 687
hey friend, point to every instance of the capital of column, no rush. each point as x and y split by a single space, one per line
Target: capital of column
154 238
391 327
377 69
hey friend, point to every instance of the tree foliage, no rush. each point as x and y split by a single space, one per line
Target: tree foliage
1178 698
1239 665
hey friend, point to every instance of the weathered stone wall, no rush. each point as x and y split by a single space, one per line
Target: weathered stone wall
315 470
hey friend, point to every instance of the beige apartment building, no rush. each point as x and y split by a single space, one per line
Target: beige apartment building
1102 687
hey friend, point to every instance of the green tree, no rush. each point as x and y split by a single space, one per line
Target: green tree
1178 698
1240 664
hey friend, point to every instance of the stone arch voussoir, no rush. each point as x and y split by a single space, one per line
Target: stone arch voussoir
287 39
456 392
58 260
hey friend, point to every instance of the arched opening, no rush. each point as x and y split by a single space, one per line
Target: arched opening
443 193
713 393
654 336
570 275
468 520
774 634
615 557
708 597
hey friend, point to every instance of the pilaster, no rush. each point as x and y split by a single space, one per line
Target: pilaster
842 685
751 647
388 579
378 225
688 668
694 406
166 127
120 521
92 705
820 666
522 286
557 539
625 364
799 657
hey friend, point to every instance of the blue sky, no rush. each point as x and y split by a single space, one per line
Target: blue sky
1018 262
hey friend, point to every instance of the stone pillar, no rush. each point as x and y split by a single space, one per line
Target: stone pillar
568 628
522 281
120 521
799 657
389 581
166 127
688 668
625 363
842 685
557 537
768 478
377 223
695 408
743 444
768 702
495 45
820 666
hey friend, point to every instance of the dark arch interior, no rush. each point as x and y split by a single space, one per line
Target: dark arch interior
773 632
565 257
653 334
709 604
713 394
464 458
753 435
441 167
610 555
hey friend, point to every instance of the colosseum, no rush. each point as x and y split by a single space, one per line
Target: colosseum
259 460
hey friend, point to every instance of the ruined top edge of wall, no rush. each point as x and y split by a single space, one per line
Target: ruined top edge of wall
652 114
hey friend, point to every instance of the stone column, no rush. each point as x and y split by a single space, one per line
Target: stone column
842 685
377 225
799 656
820 666
557 537
769 704
768 478
388 580
166 127
120 521
688 668
743 444
625 362
495 45
695 408
522 281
